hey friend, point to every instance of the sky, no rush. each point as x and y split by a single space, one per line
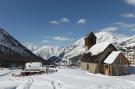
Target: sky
62 22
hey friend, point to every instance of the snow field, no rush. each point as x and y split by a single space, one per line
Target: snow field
68 79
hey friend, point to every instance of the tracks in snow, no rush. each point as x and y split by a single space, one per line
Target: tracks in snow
56 84
50 82
6 73
27 85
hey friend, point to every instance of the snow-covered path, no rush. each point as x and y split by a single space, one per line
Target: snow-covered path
7 81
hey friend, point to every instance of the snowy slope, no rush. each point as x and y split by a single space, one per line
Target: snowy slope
67 79
31 46
105 36
78 79
128 41
79 48
48 51
10 46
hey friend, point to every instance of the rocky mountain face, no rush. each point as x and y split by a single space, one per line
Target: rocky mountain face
13 51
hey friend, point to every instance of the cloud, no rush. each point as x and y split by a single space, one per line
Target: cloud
64 20
60 21
81 21
110 29
59 38
130 2
54 22
126 25
45 41
128 15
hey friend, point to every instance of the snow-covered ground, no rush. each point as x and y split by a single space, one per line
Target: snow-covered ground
67 79
4 71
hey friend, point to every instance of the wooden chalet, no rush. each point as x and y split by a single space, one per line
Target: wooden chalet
103 58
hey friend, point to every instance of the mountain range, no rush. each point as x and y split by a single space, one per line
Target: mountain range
78 47
15 51
12 51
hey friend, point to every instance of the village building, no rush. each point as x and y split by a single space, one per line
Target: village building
129 53
34 66
103 58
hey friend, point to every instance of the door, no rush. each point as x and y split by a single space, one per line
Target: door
106 69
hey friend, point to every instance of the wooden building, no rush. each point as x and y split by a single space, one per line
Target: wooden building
104 58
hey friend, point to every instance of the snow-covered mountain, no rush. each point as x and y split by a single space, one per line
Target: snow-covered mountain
32 46
48 51
78 47
127 42
12 50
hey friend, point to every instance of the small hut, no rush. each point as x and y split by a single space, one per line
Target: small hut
116 64
104 58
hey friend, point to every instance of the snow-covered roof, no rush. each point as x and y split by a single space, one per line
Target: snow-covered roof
98 48
36 64
33 65
111 58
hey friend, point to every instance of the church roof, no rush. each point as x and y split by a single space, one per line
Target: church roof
98 48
